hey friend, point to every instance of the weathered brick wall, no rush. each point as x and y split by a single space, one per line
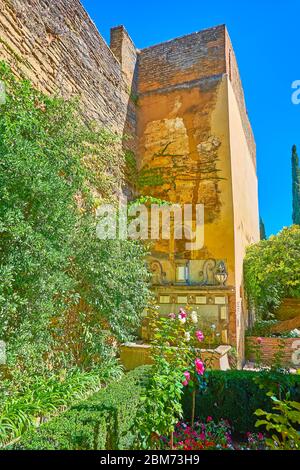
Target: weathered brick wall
269 348
197 58
123 48
193 57
191 111
57 46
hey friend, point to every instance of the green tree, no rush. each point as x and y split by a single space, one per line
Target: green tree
272 270
66 297
262 229
296 186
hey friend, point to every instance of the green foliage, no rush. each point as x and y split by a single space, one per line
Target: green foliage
104 421
296 186
262 328
281 424
235 396
147 200
66 297
134 98
150 177
131 171
112 418
278 382
29 400
161 406
272 270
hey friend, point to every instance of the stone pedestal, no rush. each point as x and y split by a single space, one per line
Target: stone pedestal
133 355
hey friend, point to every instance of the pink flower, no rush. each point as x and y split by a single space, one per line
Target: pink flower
259 340
182 316
209 419
187 378
199 335
202 436
200 368
172 315
182 313
187 375
260 436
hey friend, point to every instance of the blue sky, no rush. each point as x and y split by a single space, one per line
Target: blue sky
265 35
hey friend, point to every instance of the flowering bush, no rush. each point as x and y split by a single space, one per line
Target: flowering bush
203 436
177 366
210 436
256 441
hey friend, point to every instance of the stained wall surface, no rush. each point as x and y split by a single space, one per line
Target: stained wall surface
195 145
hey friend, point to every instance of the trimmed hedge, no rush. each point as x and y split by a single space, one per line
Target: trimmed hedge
104 421
234 395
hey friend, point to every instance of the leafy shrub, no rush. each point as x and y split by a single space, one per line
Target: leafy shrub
283 424
262 328
174 369
38 398
104 421
66 297
272 270
236 395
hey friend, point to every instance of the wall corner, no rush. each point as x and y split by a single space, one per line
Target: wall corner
125 51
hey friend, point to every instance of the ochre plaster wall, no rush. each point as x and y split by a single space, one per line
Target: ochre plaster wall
245 204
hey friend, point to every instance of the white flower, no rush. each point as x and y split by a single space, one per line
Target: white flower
187 336
213 327
182 320
194 317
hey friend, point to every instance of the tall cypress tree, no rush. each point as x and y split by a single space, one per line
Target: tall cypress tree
262 229
296 186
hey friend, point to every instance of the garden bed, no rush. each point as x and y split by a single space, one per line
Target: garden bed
107 420
211 435
103 421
